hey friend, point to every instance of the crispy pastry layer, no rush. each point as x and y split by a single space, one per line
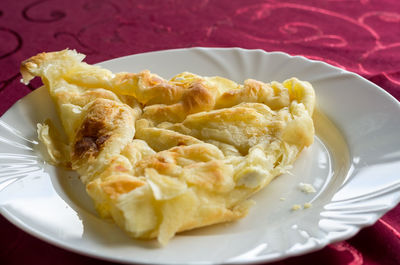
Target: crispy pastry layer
163 156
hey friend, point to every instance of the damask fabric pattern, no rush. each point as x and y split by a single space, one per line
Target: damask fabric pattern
362 36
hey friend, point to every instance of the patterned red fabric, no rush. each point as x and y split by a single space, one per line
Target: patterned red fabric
362 36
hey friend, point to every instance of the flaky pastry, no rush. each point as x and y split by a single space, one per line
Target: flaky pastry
164 156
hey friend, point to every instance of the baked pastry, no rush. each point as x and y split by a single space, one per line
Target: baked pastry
163 156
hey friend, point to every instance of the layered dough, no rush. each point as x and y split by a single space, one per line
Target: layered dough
163 156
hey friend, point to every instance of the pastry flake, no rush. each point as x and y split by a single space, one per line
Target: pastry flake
163 156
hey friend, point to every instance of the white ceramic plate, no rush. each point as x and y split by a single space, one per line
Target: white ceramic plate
354 166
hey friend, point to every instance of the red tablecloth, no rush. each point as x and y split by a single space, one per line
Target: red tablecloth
362 36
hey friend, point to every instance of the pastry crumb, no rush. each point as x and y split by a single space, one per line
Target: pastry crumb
282 199
307 205
306 188
296 207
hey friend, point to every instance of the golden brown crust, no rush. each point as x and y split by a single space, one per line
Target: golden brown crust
36 65
95 130
115 186
147 88
274 95
163 156
197 98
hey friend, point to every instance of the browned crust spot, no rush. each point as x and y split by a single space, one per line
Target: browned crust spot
90 144
197 98
95 130
115 187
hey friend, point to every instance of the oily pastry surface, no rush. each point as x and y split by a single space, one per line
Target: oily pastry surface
162 156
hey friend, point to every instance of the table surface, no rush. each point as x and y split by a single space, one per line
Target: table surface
362 36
